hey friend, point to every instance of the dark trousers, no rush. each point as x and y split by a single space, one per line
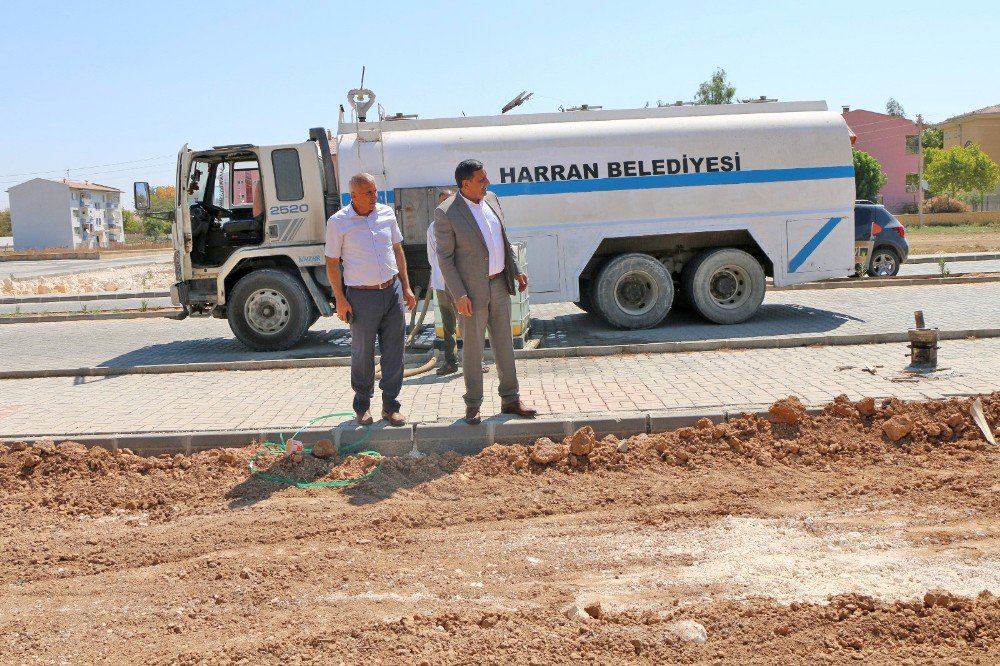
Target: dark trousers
449 320
378 314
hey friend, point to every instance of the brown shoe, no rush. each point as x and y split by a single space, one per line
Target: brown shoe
472 416
486 368
365 417
519 409
394 418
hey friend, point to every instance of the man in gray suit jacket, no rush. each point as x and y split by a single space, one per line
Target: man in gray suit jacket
480 273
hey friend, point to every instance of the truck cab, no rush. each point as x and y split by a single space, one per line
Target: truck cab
249 234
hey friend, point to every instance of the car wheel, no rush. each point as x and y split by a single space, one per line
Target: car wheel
885 262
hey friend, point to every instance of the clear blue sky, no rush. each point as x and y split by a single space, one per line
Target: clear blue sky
125 84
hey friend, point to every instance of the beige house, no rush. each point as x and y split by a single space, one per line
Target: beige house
980 127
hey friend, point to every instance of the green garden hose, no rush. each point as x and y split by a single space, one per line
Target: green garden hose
272 448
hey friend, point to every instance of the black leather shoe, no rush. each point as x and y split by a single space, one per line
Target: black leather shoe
472 416
447 369
519 409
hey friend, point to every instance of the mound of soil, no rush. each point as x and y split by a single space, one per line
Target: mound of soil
869 532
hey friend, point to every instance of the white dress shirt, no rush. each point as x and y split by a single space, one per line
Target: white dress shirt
437 279
489 226
364 244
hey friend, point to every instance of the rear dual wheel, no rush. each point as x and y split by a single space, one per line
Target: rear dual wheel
632 291
724 285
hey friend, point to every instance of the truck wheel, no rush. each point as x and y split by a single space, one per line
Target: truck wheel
724 285
885 262
633 291
269 310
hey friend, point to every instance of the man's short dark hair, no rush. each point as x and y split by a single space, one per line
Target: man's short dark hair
465 169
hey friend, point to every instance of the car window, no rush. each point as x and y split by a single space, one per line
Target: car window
862 223
885 218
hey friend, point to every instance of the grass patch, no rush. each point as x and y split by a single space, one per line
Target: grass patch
952 230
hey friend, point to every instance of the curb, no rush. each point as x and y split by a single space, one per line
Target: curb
96 296
413 438
916 281
167 369
125 314
527 354
749 343
958 256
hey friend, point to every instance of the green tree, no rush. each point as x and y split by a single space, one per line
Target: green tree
161 200
5 225
960 169
868 176
932 137
716 90
131 222
894 108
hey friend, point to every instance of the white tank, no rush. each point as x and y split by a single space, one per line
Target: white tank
783 172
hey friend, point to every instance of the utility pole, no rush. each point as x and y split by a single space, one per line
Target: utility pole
920 170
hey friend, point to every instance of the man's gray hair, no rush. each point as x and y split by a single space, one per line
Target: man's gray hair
445 193
359 178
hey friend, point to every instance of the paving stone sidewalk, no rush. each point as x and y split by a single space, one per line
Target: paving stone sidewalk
565 388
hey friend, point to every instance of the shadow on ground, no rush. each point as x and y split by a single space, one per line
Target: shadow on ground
681 325
315 344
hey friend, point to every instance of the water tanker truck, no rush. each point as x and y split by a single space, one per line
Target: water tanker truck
622 211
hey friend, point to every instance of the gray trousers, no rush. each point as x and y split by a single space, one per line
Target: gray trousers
493 315
378 314
449 320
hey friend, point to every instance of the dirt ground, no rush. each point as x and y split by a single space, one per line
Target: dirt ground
151 277
799 541
938 240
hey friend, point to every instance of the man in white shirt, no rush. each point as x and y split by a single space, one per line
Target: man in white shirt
481 274
364 251
446 307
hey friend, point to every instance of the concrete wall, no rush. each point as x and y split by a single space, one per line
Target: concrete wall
884 137
40 215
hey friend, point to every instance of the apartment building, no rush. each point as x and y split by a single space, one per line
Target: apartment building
52 213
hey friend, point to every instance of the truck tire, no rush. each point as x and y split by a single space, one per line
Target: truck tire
724 285
269 310
633 290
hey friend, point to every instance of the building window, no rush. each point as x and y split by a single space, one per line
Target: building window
912 148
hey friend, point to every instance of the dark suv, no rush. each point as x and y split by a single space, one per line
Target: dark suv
891 248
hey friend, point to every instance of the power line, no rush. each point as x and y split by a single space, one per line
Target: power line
89 174
94 166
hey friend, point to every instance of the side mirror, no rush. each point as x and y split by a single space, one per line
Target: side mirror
141 191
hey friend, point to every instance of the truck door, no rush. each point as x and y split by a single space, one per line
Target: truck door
293 195
182 215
